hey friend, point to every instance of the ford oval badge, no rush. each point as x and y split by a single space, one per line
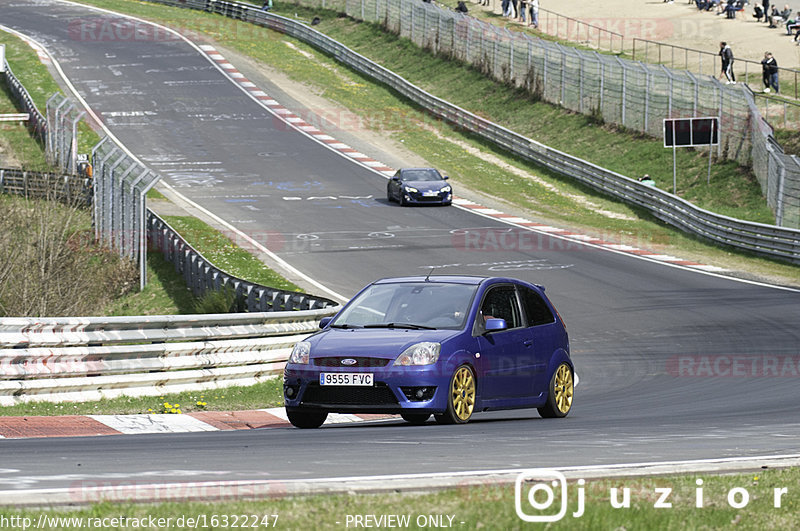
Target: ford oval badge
349 361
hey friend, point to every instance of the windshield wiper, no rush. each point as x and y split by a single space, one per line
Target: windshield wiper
409 326
345 326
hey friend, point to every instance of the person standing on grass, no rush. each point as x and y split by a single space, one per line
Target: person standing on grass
726 54
522 8
533 7
769 68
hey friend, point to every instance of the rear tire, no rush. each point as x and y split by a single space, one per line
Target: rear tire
559 396
417 419
307 419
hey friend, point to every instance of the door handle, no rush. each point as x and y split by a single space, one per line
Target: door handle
528 342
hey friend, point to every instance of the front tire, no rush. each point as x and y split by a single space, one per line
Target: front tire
460 398
417 419
559 396
306 419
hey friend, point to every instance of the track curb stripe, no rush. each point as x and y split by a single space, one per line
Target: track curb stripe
94 425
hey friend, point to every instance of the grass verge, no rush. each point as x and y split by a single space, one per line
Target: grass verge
225 254
258 396
484 507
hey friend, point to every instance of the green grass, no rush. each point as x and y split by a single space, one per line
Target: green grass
489 507
257 396
789 141
165 293
225 254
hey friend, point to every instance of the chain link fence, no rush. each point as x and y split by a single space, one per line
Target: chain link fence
119 204
61 144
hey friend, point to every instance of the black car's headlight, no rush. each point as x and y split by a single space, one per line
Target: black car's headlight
300 353
446 189
411 189
425 353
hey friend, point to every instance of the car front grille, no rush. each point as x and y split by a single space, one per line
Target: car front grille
361 361
343 395
420 197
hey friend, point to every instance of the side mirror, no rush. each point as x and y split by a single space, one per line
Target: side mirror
445 177
395 178
496 325
324 321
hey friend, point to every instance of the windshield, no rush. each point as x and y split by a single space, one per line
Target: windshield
421 175
409 305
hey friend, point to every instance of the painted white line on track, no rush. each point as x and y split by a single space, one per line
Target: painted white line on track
239 489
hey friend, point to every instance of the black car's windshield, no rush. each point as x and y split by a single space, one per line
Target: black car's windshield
417 305
421 175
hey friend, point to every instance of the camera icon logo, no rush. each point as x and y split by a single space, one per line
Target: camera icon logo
546 485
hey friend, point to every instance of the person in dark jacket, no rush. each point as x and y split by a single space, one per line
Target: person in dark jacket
769 68
726 54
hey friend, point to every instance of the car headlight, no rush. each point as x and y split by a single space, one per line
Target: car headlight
446 189
425 353
411 189
300 353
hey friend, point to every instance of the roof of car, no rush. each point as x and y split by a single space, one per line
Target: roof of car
449 279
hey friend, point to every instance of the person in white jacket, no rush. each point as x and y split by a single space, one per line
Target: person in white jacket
533 10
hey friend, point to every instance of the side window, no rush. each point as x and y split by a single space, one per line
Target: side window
501 303
536 310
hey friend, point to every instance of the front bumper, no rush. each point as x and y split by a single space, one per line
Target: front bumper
394 390
419 198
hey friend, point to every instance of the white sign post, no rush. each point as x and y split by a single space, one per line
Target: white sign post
2 58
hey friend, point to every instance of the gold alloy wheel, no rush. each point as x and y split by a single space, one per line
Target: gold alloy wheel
462 392
563 388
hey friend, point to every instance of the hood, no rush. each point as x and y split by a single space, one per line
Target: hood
372 342
427 186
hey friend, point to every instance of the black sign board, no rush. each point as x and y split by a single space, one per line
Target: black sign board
690 132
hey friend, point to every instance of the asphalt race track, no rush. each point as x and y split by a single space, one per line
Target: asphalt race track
673 364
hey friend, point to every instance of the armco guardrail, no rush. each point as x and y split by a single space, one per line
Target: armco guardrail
36 122
201 275
767 240
70 189
78 359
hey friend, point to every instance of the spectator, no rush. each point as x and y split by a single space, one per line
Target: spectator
730 9
462 7
505 6
765 4
522 8
647 180
514 10
793 24
758 13
769 67
533 6
779 17
726 54
772 15
267 6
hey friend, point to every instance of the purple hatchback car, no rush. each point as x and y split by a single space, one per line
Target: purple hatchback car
447 346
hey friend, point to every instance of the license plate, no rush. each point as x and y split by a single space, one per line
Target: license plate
346 378
430 194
